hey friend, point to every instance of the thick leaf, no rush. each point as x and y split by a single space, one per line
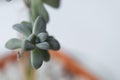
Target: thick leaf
27 45
28 25
36 58
43 45
39 26
14 43
23 29
54 44
53 3
32 38
42 36
45 55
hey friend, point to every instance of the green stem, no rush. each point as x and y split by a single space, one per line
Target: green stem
37 9
33 12
34 9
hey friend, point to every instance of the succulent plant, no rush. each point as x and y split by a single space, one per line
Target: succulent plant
37 8
37 41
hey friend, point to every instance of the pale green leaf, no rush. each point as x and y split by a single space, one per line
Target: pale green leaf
42 36
43 45
36 58
27 24
39 26
53 3
23 29
14 43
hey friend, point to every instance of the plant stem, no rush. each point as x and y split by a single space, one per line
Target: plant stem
29 72
34 13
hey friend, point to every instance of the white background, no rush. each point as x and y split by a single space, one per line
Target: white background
88 29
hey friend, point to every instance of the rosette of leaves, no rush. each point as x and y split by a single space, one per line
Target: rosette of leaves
37 41
37 7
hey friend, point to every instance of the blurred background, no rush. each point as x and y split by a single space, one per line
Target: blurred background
88 31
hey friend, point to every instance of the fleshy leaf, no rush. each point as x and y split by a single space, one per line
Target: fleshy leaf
43 45
32 38
54 44
14 43
39 26
27 45
28 25
45 55
42 36
36 58
23 29
53 3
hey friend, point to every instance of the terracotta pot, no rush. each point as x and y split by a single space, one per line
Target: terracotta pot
71 65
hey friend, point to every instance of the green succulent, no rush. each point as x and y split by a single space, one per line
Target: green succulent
37 8
37 41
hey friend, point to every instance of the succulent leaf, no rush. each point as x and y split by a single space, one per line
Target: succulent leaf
27 45
45 55
36 58
54 44
42 36
43 45
23 29
14 43
39 26
27 24
32 38
53 3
